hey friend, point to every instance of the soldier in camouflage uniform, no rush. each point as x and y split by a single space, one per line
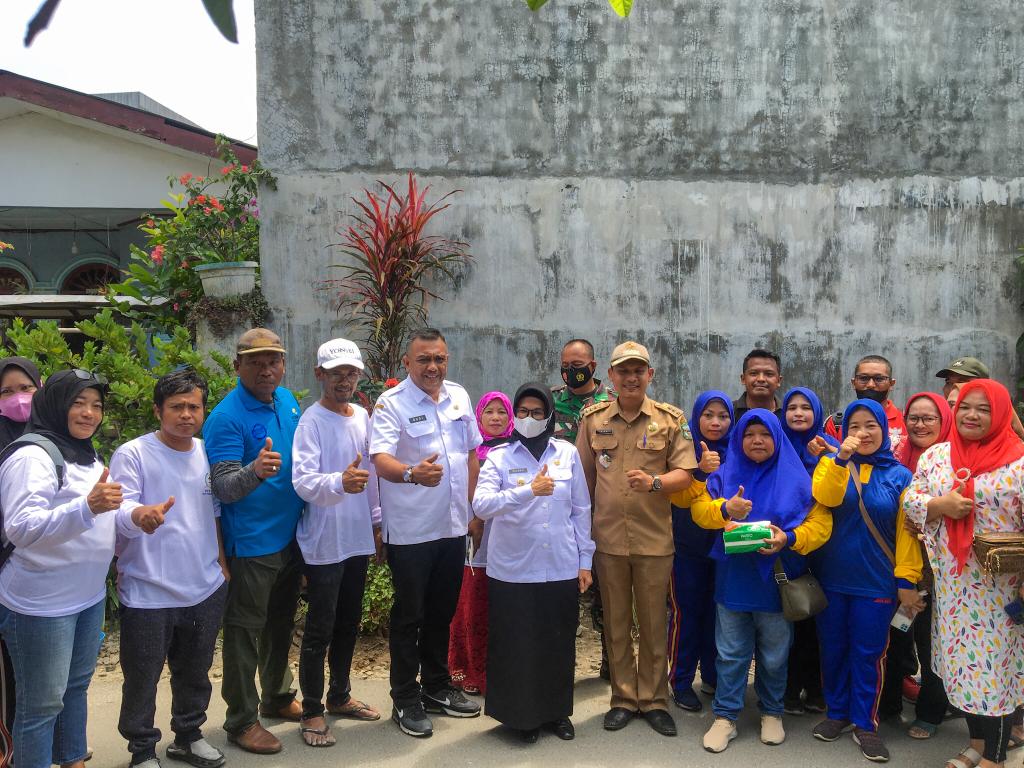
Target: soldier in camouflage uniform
580 389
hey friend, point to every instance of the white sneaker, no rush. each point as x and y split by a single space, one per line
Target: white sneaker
772 732
721 732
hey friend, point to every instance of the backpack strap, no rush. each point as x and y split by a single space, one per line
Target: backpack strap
56 457
882 543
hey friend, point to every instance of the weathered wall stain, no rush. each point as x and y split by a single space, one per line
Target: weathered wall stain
826 179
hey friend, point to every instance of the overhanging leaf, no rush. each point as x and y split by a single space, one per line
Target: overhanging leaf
621 7
223 15
535 4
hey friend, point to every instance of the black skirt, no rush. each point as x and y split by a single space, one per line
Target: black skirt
531 651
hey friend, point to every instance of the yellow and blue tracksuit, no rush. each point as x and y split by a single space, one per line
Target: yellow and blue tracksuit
860 583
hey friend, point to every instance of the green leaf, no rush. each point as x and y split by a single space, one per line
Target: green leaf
621 7
535 5
223 15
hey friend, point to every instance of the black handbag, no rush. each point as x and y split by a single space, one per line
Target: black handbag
802 597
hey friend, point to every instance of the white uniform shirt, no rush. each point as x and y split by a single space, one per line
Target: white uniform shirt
535 538
63 550
410 426
176 566
335 525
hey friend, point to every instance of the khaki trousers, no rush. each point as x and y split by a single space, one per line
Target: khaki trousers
637 684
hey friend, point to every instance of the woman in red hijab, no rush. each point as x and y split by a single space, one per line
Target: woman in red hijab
974 484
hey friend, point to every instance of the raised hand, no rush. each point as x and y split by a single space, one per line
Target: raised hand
268 462
954 504
738 507
151 516
639 480
849 446
818 446
428 472
542 485
104 496
354 479
709 460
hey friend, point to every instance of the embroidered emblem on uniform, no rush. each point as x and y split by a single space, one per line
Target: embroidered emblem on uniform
604 459
652 427
455 407
520 481
417 419
259 432
556 462
684 428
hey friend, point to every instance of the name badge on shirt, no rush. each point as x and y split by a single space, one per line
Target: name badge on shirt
517 471
417 419
605 432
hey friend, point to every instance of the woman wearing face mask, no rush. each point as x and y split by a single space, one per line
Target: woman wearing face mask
19 379
870 561
974 484
691 629
52 588
467 645
534 492
804 420
929 421
762 479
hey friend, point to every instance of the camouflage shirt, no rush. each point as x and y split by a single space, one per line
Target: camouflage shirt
568 406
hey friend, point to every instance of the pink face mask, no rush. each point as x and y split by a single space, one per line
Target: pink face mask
17 407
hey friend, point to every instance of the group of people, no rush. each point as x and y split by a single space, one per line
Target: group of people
495 520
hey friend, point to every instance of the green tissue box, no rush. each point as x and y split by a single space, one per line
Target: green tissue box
745 537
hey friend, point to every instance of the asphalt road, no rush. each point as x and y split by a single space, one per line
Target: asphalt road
482 742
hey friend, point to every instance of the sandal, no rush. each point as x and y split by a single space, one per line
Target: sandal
355 710
921 730
1015 742
305 732
971 758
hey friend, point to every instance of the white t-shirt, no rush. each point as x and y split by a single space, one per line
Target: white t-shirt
63 550
335 525
176 566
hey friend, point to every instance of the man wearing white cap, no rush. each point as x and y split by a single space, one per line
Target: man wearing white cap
339 530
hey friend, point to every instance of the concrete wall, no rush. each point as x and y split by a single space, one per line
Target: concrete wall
825 179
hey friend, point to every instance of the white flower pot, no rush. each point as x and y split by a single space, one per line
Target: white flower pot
230 278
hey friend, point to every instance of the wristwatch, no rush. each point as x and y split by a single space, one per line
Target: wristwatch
655 484
407 475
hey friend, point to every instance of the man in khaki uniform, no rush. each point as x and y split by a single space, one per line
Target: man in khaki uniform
635 453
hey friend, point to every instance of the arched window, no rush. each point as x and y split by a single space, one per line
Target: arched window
12 282
90 279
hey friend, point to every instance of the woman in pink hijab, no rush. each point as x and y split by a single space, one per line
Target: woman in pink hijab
467 644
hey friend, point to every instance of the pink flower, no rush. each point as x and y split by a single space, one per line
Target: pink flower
226 170
150 223
186 178
245 169
176 307
207 210
157 255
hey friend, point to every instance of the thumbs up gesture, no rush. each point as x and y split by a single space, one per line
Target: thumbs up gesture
268 462
542 485
817 446
849 446
709 460
738 507
428 472
151 516
105 495
954 504
354 479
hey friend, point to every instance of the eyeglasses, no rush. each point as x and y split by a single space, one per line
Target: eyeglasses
436 360
85 375
863 378
536 413
929 420
343 375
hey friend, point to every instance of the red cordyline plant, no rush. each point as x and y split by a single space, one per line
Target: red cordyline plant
392 263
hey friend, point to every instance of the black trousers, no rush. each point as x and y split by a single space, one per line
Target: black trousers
804 670
900 661
185 638
335 596
994 731
932 701
427 578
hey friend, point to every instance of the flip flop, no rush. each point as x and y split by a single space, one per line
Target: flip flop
355 710
325 731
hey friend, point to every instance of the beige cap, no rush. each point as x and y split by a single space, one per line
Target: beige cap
258 340
630 350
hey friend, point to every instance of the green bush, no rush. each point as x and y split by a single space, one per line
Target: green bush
378 598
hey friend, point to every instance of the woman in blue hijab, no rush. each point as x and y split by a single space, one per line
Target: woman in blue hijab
804 420
691 628
870 562
763 478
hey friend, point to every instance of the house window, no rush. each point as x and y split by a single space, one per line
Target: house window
90 279
12 282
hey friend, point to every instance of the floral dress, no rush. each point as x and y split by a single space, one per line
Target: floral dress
976 650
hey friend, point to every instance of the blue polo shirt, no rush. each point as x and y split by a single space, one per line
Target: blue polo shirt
263 522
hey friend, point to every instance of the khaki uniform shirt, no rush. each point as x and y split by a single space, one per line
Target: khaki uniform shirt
658 440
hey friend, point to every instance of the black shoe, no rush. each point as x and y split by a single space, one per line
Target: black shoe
661 721
604 673
794 706
530 736
617 718
413 720
562 728
450 701
687 699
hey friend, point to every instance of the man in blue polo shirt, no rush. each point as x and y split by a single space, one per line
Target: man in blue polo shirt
248 440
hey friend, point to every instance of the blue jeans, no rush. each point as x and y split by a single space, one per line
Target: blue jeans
742 636
54 658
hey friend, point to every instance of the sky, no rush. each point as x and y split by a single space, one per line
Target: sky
168 49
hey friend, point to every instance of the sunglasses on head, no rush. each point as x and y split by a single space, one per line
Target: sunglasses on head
85 375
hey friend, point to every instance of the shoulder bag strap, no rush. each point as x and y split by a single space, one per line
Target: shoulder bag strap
882 543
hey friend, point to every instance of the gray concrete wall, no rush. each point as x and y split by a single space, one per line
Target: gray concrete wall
827 179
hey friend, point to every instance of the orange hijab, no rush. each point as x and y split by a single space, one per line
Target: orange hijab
998 448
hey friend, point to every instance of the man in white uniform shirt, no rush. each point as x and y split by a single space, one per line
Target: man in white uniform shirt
171 582
338 531
423 440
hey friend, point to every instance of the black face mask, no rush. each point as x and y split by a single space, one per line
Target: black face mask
872 394
576 377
